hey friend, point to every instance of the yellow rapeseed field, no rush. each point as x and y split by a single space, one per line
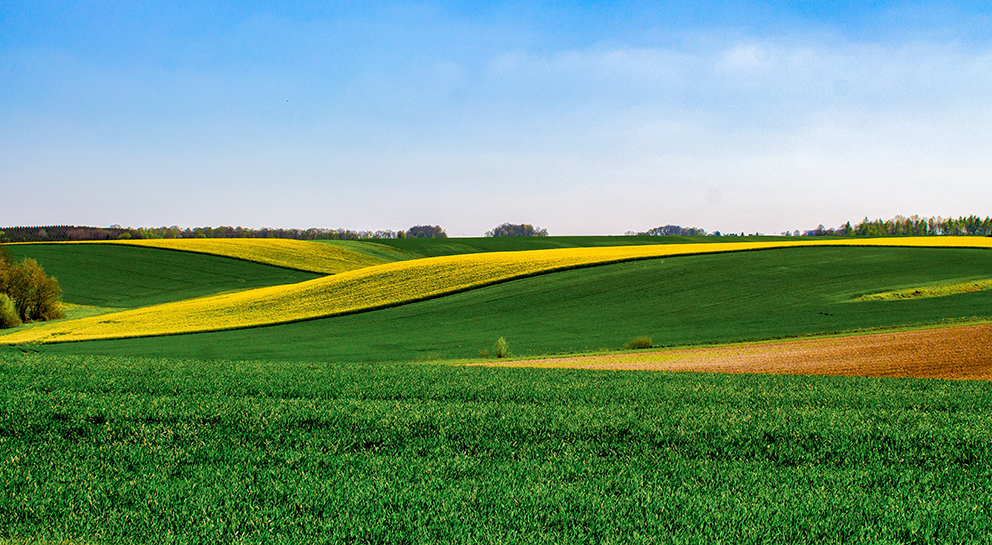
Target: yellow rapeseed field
292 254
393 283
934 290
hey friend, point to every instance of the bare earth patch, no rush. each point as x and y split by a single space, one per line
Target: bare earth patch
963 352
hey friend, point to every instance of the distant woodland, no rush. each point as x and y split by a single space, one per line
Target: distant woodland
897 226
56 233
910 226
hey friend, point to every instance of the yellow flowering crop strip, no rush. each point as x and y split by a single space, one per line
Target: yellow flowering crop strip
925 292
291 254
391 284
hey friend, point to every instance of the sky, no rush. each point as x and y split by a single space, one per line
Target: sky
583 118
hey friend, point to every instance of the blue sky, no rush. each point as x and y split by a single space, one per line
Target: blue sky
583 118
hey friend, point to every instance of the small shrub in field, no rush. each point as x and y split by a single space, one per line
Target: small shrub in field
502 348
8 314
638 343
484 353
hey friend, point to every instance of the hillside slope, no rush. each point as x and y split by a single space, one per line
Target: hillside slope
687 300
131 276
391 284
291 254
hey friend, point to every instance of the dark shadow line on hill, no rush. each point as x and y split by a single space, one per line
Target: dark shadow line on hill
493 283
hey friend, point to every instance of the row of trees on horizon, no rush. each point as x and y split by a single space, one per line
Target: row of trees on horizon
897 226
910 226
55 233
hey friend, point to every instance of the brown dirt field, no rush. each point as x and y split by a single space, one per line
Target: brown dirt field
962 352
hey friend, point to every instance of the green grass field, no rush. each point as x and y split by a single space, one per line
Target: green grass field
357 428
130 450
111 275
675 301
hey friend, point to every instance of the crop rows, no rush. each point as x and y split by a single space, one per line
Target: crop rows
113 450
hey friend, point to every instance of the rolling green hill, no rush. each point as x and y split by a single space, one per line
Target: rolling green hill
432 247
120 276
676 301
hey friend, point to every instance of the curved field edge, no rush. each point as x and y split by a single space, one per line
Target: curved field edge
286 253
390 285
436 247
130 276
929 291
954 352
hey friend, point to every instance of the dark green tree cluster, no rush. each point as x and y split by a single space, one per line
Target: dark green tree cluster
424 231
516 230
673 230
26 292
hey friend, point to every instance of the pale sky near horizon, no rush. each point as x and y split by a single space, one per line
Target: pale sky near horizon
573 116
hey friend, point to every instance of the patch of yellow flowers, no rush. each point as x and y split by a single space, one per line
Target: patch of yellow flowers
291 254
936 290
392 284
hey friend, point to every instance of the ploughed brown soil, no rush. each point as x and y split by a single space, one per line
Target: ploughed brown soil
963 352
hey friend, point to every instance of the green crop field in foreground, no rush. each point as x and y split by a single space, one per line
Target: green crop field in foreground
130 450
112 275
675 301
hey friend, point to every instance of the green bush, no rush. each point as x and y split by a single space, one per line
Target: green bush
638 343
502 348
8 314
33 294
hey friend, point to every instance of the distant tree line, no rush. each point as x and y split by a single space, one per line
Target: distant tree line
57 233
516 230
26 292
909 226
897 226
